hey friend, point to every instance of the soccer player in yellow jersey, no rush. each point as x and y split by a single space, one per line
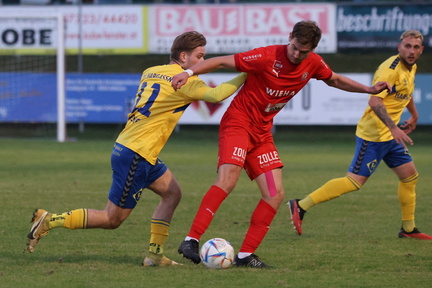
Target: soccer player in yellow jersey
134 160
379 137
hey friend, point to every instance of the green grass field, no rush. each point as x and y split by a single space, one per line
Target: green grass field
348 242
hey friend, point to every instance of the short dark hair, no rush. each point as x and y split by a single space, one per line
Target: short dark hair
186 42
307 32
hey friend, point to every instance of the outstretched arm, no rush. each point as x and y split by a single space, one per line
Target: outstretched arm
203 67
377 105
347 84
224 90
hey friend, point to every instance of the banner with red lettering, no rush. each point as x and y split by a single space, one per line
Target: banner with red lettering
238 28
135 29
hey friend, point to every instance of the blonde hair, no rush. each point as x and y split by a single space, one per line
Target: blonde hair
411 33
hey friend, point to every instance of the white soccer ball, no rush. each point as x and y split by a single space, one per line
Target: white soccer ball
217 253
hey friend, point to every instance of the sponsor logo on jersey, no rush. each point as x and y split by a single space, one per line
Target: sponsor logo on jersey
401 96
274 107
252 57
280 93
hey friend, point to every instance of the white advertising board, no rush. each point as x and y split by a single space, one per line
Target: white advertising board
103 29
142 29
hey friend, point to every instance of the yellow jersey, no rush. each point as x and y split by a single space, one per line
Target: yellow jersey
370 127
158 107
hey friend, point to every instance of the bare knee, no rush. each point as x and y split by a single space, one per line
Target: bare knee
113 223
176 195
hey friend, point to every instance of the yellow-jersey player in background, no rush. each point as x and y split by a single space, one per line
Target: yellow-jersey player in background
134 160
379 137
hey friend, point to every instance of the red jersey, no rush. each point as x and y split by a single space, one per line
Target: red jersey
272 81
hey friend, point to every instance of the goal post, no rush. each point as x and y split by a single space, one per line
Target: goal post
32 51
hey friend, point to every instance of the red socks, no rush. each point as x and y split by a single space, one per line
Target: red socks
259 225
209 205
260 221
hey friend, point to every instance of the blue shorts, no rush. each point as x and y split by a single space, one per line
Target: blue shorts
369 154
131 175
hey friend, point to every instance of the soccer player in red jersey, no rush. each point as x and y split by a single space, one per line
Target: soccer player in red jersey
275 75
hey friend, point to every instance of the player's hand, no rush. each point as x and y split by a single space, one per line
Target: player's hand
380 86
179 80
401 137
409 126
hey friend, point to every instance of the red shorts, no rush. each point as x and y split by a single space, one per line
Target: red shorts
257 154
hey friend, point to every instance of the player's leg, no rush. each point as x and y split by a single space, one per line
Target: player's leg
400 161
366 159
109 218
265 167
408 177
234 143
227 177
123 196
272 192
169 190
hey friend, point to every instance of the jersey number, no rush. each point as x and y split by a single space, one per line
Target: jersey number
145 110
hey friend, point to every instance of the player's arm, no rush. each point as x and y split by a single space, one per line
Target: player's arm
196 89
410 124
377 105
348 84
224 90
203 67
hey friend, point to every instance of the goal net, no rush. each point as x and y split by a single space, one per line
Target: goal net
32 76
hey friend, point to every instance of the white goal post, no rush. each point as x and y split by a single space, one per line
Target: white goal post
32 36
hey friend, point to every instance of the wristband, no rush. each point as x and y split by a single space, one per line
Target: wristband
189 72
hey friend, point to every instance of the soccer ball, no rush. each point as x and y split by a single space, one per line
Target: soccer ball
217 253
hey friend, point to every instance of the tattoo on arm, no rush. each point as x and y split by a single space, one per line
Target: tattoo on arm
381 112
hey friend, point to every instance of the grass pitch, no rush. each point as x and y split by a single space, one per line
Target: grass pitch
348 242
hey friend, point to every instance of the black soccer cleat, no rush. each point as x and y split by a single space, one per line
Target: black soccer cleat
189 249
250 261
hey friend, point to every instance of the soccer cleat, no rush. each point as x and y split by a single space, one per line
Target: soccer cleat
297 214
250 261
414 234
39 228
189 249
159 260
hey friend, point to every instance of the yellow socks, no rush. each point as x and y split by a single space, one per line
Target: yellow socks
75 219
407 199
306 203
330 190
158 235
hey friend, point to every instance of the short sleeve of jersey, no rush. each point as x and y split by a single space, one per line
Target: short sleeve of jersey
323 71
254 61
384 73
251 61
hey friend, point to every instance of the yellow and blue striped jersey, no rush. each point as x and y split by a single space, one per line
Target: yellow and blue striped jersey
370 127
158 108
